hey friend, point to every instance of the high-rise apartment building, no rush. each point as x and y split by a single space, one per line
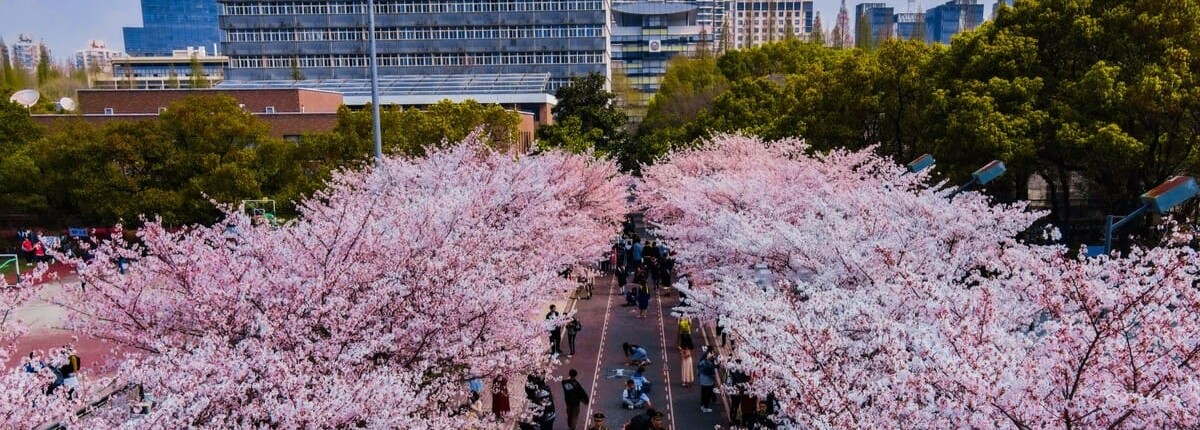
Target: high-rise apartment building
26 53
96 57
169 25
327 39
999 4
646 35
951 18
877 18
763 21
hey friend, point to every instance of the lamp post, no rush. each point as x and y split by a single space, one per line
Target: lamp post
1161 199
982 176
374 84
921 163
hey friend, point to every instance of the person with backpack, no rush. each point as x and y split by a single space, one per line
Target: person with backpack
643 300
573 395
573 329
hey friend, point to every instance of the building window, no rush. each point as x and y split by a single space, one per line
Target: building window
109 111
270 109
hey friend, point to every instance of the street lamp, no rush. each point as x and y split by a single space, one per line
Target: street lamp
982 176
1161 199
921 163
374 84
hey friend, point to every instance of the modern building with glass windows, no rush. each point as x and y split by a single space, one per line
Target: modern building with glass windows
272 39
954 17
910 25
879 18
169 25
646 35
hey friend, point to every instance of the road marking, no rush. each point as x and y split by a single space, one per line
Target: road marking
666 368
600 355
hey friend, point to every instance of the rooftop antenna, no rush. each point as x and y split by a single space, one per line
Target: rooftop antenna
25 98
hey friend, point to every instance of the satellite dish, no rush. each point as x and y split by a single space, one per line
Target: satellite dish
66 104
25 97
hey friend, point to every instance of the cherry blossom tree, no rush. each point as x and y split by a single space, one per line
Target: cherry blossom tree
394 287
889 304
23 402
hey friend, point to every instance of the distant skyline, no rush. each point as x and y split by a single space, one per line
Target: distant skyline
67 25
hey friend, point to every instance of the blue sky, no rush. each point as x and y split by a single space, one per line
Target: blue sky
67 25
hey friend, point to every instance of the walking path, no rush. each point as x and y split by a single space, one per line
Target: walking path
606 325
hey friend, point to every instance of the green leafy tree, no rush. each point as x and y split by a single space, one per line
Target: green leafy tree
45 66
600 119
862 33
197 79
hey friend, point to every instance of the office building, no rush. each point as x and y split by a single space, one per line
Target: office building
4 58
910 26
96 58
268 40
951 18
26 54
754 23
645 36
169 25
165 72
878 18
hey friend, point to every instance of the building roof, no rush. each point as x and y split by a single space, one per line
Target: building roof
653 8
424 89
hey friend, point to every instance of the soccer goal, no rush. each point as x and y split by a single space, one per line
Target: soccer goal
10 268
263 209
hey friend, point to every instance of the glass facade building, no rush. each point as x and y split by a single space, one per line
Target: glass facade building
879 18
947 20
272 39
169 25
646 35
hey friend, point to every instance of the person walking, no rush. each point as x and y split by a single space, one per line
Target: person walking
573 329
708 382
643 300
574 395
555 331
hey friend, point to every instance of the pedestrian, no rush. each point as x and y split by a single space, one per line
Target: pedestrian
598 422
555 331
683 327
27 248
708 382
656 421
636 252
643 300
630 291
622 275
644 421
573 395
500 405
737 382
573 329
546 415
688 375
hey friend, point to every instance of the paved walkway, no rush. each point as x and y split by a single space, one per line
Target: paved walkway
606 325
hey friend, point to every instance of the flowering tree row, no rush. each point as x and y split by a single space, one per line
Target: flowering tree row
889 305
396 286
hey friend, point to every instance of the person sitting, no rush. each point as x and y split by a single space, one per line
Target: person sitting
633 397
638 356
